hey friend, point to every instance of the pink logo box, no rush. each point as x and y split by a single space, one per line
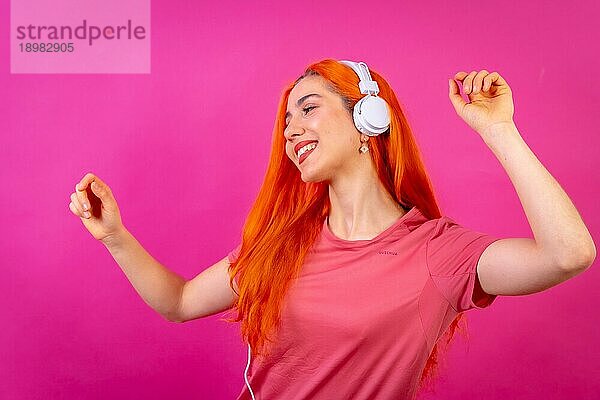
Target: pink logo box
69 36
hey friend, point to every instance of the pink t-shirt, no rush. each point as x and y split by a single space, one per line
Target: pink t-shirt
363 317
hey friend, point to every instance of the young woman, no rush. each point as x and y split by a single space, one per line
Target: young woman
347 277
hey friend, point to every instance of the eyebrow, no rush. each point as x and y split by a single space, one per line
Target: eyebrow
300 101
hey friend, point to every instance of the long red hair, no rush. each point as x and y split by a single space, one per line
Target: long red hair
288 214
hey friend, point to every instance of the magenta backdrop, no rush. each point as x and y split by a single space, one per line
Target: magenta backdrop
185 148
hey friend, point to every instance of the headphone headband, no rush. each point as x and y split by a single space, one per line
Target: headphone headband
366 85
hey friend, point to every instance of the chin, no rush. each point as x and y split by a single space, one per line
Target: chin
310 179
308 173
311 176
314 172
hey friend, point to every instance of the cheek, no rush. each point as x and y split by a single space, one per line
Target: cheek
291 155
347 140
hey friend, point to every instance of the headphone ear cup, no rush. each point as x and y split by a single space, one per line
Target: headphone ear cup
358 119
371 113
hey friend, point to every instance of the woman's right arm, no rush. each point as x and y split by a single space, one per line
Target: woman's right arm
169 294
208 293
163 290
158 286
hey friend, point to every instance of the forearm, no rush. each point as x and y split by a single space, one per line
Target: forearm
556 224
159 287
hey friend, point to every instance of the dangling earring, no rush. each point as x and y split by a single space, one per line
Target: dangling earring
364 147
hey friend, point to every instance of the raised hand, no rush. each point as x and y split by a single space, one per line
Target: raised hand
95 204
490 98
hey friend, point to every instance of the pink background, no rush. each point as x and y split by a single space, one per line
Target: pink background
185 148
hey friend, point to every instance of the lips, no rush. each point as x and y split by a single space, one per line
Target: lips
302 144
305 155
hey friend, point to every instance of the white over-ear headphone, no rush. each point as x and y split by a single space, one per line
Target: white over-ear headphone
371 114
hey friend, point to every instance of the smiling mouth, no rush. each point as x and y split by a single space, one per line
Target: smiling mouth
305 155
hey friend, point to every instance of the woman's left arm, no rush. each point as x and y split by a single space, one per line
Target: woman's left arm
563 246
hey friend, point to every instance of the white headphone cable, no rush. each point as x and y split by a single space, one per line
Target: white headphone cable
246 372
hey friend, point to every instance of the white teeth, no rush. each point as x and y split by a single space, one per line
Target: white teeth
306 148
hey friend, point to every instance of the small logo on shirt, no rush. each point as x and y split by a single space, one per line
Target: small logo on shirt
390 253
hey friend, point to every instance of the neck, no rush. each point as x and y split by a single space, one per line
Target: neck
361 208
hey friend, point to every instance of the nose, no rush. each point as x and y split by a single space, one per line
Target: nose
293 130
